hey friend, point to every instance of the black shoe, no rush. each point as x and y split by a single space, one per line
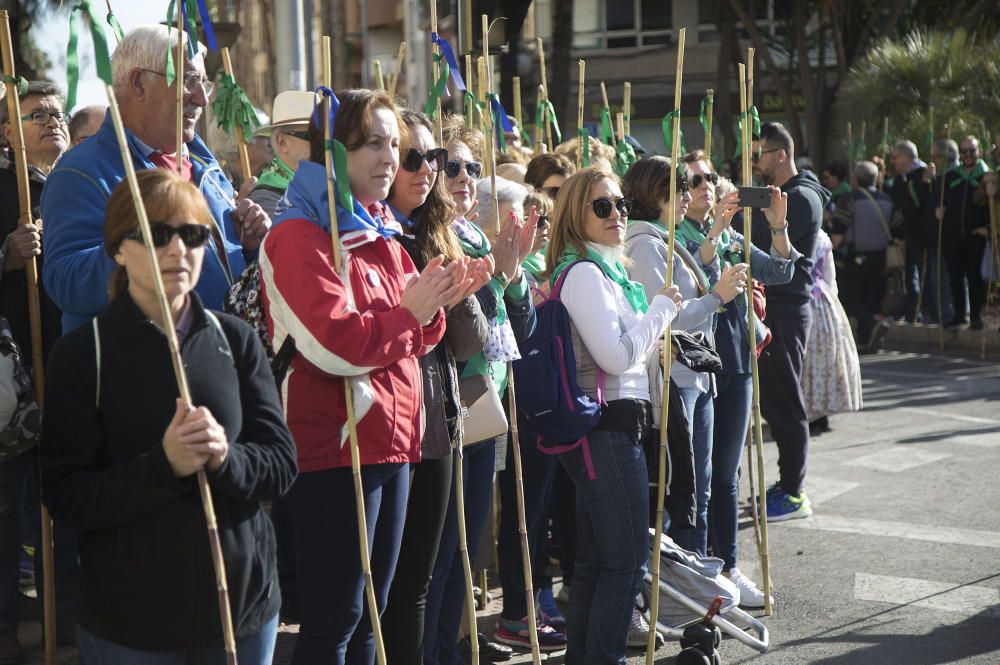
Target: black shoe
66 632
488 650
819 426
956 323
10 648
977 324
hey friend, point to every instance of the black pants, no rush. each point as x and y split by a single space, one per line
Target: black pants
403 620
285 540
964 258
781 401
861 282
563 511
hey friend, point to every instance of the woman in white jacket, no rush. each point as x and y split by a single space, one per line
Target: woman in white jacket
615 330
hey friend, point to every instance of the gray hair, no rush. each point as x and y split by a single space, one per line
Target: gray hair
907 148
81 118
946 148
144 48
865 173
35 89
508 191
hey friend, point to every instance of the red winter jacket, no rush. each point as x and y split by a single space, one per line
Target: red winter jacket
359 332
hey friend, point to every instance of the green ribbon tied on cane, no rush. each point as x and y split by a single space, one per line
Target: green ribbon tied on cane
18 82
189 9
703 114
607 134
116 27
885 145
624 157
343 183
493 99
102 55
233 109
754 131
667 125
547 112
584 142
437 90
858 151
472 105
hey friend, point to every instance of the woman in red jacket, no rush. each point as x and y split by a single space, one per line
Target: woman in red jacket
365 327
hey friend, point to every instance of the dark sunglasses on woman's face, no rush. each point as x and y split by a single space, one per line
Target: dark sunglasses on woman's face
193 235
602 206
683 186
414 160
698 178
453 167
543 221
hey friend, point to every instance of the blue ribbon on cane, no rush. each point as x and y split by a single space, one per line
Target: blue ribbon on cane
449 56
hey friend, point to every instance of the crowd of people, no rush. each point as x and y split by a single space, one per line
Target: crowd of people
443 270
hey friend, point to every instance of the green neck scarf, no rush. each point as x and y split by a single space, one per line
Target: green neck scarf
972 177
634 291
690 231
471 250
277 175
840 190
534 263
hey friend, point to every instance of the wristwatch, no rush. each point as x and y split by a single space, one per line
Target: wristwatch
715 240
502 278
780 231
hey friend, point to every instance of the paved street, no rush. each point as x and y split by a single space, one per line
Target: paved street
901 562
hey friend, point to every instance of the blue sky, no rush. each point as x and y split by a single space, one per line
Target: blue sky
52 35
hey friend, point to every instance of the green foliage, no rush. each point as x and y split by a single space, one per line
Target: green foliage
904 78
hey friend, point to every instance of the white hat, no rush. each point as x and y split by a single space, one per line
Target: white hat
292 108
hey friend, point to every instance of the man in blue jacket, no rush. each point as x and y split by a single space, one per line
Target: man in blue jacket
77 269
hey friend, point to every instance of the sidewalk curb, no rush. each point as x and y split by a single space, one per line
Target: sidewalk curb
962 342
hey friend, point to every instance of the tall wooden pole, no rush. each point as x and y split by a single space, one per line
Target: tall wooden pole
579 114
352 429
627 103
850 153
215 543
179 88
34 320
545 92
940 235
241 140
661 476
604 100
484 120
470 79
518 111
709 107
439 121
379 77
394 78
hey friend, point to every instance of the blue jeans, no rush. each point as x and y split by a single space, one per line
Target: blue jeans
612 520
446 594
732 406
255 649
336 627
700 415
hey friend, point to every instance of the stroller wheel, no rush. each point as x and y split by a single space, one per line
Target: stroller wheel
701 636
693 656
718 636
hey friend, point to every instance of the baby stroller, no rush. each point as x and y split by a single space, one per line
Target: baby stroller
689 584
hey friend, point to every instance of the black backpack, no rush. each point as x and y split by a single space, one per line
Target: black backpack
22 430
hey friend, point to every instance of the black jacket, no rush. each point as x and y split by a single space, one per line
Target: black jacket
14 284
911 196
147 580
963 210
806 199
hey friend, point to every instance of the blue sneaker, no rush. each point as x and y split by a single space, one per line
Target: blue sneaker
783 506
515 633
548 611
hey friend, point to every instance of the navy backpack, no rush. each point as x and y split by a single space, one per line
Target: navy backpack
548 397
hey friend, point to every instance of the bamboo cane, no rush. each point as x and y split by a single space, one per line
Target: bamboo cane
748 442
746 86
885 145
604 100
518 112
352 429
394 79
661 477
466 6
179 87
439 121
539 99
34 318
620 120
923 268
485 121
579 113
241 140
545 92
627 103
463 552
994 267
218 563
470 80
850 153
379 77
940 232
710 94
861 138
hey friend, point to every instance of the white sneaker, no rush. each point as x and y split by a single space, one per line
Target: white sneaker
563 596
638 632
750 596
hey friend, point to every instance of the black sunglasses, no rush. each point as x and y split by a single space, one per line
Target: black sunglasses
602 206
755 156
298 134
414 160
193 235
969 151
683 186
698 178
452 167
543 221
551 192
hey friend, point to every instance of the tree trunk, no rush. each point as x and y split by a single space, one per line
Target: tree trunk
336 26
562 44
724 108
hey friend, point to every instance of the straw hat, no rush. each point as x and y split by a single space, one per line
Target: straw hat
292 108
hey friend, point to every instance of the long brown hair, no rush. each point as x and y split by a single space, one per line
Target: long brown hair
432 219
354 120
647 182
569 218
165 195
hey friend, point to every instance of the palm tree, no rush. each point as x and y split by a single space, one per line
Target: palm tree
903 79
29 61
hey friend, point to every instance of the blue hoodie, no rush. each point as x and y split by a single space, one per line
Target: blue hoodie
77 268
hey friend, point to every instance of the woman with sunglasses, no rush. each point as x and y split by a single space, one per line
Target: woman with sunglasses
420 204
705 288
707 232
511 317
615 330
121 451
367 332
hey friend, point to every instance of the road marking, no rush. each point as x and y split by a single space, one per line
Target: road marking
822 490
897 459
954 416
943 596
927 533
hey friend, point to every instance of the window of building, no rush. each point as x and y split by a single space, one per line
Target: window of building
610 24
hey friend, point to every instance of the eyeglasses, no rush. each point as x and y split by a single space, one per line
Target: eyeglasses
964 151
602 206
755 157
453 166
683 186
414 160
698 178
551 192
193 235
41 117
191 80
543 221
299 135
